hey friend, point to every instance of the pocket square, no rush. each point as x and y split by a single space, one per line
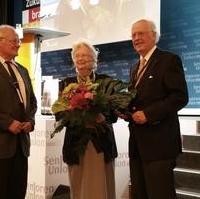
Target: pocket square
150 77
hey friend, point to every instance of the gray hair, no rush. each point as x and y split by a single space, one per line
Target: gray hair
152 26
154 29
4 28
93 50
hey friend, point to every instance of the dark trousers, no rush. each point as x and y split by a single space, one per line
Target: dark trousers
13 176
152 179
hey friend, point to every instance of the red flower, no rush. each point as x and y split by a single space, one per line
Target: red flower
79 101
79 97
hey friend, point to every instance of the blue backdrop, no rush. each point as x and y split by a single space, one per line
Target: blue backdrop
180 30
180 33
115 59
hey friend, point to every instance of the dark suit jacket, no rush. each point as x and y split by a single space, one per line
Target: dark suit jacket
105 142
161 92
10 109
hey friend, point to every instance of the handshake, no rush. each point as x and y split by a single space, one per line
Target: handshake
138 116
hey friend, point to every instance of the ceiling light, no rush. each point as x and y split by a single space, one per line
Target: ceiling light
94 2
75 4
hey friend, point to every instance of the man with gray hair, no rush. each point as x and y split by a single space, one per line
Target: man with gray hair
161 91
17 111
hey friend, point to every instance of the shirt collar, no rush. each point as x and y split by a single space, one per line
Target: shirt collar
2 60
148 55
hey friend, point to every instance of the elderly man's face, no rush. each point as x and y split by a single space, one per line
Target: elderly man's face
9 44
83 61
143 38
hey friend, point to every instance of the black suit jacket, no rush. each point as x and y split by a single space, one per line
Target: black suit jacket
161 92
11 109
105 142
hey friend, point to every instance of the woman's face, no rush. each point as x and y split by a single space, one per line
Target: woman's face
83 61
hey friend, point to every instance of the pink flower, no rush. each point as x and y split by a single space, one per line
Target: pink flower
79 101
89 95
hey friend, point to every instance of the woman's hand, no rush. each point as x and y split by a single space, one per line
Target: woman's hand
121 115
100 118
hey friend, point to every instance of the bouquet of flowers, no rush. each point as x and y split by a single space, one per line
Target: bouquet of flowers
81 103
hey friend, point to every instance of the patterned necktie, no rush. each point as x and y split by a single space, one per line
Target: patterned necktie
141 71
141 66
15 81
12 74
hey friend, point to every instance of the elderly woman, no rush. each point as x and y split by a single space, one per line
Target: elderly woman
92 174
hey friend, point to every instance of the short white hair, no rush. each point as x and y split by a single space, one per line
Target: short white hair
93 50
152 26
4 28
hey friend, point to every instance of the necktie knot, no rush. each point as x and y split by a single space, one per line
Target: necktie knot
141 65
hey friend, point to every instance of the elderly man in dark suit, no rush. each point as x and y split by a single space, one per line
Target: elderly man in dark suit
155 140
17 110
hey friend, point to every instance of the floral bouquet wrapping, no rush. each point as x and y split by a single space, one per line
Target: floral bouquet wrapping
81 103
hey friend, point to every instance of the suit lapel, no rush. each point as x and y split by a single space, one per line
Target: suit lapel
133 73
150 65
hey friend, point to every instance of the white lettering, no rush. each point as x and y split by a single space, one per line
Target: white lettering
35 15
30 3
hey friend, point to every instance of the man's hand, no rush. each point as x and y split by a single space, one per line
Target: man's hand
100 118
27 127
139 117
15 127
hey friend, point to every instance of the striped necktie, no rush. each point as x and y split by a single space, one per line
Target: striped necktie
141 70
15 81
12 74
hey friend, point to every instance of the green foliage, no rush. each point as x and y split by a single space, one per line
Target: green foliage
116 93
109 95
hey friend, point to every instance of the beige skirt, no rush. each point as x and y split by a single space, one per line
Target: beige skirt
92 178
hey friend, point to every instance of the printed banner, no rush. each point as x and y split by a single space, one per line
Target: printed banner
28 4
31 13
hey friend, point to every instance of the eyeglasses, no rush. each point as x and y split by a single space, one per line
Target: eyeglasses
83 56
12 41
139 34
